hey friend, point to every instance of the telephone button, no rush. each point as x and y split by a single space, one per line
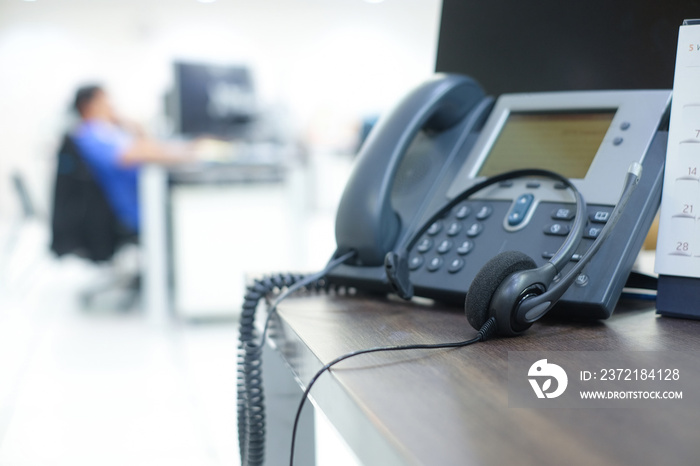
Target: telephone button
556 229
563 213
415 262
549 255
462 212
484 212
520 207
454 229
456 265
599 216
533 184
465 248
435 263
424 245
592 232
435 228
474 229
444 246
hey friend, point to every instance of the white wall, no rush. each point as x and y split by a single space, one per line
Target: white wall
325 60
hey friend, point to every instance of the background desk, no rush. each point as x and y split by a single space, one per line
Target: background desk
450 407
205 225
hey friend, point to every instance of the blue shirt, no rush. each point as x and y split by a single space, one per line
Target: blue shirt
102 144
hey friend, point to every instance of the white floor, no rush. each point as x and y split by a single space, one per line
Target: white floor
108 387
104 386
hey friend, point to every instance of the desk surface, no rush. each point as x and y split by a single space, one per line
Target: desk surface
450 407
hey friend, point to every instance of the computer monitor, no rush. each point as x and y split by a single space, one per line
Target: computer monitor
550 45
214 100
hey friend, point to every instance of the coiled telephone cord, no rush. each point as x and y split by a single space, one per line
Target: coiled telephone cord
251 396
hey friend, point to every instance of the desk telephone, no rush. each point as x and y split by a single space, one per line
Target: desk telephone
447 136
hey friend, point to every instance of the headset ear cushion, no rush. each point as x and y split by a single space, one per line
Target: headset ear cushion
487 281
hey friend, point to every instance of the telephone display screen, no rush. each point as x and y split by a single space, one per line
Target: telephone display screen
563 142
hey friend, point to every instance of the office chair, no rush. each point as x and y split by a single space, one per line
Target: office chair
28 215
27 212
83 222
28 208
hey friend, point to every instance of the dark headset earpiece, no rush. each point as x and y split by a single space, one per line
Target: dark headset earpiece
477 304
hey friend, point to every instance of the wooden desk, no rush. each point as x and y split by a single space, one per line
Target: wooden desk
450 407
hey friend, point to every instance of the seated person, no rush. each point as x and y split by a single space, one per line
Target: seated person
114 152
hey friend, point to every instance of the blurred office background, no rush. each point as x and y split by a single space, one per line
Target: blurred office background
104 385
321 63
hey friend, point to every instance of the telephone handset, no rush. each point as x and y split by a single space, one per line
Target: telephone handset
446 137
366 221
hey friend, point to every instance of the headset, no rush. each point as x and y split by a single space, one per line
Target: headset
510 288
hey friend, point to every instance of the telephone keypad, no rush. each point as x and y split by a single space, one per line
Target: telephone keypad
452 241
